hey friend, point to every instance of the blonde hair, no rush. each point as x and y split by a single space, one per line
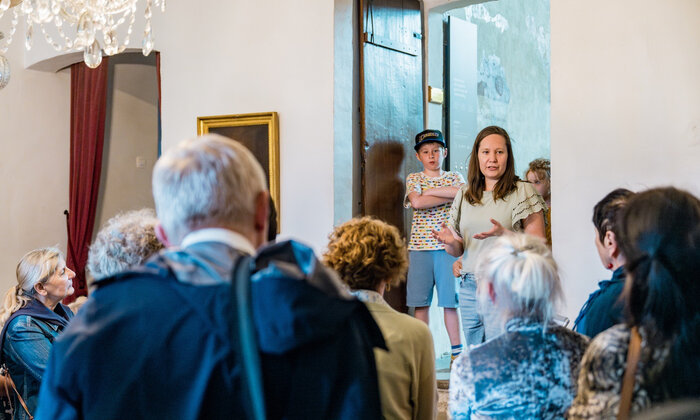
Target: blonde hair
35 267
540 167
366 251
524 277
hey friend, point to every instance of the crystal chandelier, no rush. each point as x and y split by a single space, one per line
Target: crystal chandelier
96 23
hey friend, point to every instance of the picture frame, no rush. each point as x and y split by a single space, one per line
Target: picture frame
259 132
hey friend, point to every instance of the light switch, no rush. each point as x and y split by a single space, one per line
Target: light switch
140 162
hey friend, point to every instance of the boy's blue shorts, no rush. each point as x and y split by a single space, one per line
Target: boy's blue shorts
428 268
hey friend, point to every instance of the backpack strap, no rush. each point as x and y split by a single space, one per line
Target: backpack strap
243 332
8 379
627 391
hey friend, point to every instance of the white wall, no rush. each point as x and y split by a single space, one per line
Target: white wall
255 56
625 113
34 159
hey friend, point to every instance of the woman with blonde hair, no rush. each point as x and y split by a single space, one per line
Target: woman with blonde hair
370 256
539 174
530 370
32 316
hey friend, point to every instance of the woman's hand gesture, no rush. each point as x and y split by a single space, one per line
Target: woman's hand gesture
445 235
454 245
496 230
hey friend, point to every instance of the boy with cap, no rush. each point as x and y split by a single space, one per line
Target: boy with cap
430 194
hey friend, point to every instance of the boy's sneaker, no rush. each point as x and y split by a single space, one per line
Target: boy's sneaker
456 351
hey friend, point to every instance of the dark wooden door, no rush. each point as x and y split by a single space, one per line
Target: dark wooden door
391 101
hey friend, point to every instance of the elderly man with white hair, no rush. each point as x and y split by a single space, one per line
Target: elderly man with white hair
168 340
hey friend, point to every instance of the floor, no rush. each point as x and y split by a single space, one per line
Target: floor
443 398
442 367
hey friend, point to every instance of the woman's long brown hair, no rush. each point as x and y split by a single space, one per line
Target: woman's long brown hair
476 180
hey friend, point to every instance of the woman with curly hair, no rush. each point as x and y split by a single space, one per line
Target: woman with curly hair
370 256
125 241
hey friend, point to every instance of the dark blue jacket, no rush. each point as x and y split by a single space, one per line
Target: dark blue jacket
26 340
156 343
604 308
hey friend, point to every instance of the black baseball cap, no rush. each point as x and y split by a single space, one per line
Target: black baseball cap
429 136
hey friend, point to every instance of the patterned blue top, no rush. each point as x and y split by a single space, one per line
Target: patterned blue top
526 372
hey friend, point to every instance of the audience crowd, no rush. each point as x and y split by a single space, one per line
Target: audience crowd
196 312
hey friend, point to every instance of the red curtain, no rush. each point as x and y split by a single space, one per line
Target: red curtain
87 130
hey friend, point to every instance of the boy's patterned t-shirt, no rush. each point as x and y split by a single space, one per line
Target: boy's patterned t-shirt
425 220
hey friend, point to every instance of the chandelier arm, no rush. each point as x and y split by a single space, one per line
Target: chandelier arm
88 17
49 39
13 29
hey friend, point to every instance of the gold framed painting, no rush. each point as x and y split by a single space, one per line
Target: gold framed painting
258 132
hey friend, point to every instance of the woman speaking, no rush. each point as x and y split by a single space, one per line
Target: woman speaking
493 201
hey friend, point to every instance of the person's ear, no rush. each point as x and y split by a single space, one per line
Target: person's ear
417 156
39 289
262 209
610 243
161 235
444 152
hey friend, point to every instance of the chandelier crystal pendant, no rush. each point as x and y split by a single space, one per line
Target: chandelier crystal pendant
96 22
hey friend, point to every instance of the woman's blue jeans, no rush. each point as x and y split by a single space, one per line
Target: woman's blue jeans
478 323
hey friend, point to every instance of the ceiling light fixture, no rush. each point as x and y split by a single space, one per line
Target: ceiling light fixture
96 24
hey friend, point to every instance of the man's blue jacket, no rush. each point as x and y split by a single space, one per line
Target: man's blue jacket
156 343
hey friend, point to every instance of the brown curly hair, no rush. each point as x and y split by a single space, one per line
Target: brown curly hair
366 251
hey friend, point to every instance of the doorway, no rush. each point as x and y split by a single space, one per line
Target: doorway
132 136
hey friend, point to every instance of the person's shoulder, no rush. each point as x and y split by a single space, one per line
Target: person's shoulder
568 333
608 349
413 176
524 187
613 289
487 348
607 301
397 318
616 335
570 339
134 277
525 200
21 322
461 367
403 326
